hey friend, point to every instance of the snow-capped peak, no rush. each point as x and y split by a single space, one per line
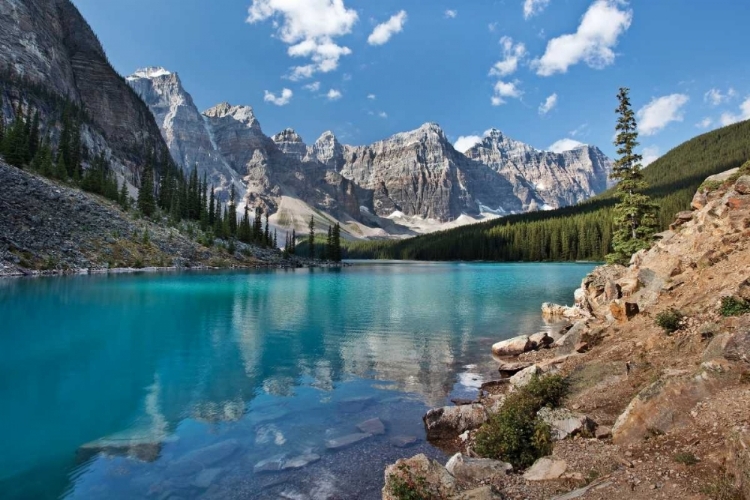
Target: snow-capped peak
150 73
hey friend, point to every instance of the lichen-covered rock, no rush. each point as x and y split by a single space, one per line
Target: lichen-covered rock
420 476
450 421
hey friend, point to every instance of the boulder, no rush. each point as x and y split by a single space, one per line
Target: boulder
273 464
681 218
738 347
550 310
567 343
513 347
373 426
509 368
427 478
662 406
715 348
699 200
300 461
523 377
603 432
565 423
494 402
541 340
623 311
742 185
206 478
450 421
743 291
546 469
344 441
474 470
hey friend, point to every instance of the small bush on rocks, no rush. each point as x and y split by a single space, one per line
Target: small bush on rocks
515 434
733 306
686 458
669 320
411 488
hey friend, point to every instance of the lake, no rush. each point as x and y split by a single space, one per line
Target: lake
243 384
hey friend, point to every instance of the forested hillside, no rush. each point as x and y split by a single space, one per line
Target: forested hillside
582 232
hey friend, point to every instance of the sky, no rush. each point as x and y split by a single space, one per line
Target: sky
545 72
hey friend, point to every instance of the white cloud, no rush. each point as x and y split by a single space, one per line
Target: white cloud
309 28
281 100
548 105
705 123
564 145
532 8
466 142
312 87
715 97
383 114
660 112
504 90
371 97
492 26
650 155
512 54
383 32
744 114
451 14
333 95
581 130
592 43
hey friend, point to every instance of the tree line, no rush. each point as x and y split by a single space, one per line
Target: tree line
581 232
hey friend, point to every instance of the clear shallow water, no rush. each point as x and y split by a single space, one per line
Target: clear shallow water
201 376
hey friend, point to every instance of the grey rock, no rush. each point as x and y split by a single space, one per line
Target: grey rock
206 478
273 464
373 426
403 441
474 470
546 469
450 421
343 442
512 347
565 423
301 461
525 376
201 458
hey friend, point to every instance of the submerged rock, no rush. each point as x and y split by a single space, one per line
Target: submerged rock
196 460
450 421
404 441
344 441
206 478
373 426
300 461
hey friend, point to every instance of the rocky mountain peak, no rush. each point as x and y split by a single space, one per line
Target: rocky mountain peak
288 135
328 151
151 73
291 143
242 114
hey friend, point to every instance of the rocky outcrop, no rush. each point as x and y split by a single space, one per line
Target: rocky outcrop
48 42
475 470
423 477
450 421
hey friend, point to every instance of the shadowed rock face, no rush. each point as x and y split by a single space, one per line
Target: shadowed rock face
49 43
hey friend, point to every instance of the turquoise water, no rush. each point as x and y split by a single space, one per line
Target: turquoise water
177 385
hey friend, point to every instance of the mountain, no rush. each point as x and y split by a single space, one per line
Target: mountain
410 183
50 55
583 231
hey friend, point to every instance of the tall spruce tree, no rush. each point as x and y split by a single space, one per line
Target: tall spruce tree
293 242
635 216
311 237
211 208
267 233
232 212
328 254
336 243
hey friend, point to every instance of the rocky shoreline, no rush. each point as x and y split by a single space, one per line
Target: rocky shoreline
51 229
656 409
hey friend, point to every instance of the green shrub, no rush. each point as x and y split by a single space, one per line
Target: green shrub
686 458
515 434
669 320
407 487
733 306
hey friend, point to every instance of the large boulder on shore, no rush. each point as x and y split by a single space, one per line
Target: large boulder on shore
423 476
450 421
546 469
513 347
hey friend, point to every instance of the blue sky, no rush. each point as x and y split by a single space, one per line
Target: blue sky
542 71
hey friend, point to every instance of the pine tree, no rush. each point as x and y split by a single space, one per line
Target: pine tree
311 237
275 240
146 201
635 216
258 225
124 198
336 243
75 151
211 208
328 249
267 233
232 212
33 141
293 242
